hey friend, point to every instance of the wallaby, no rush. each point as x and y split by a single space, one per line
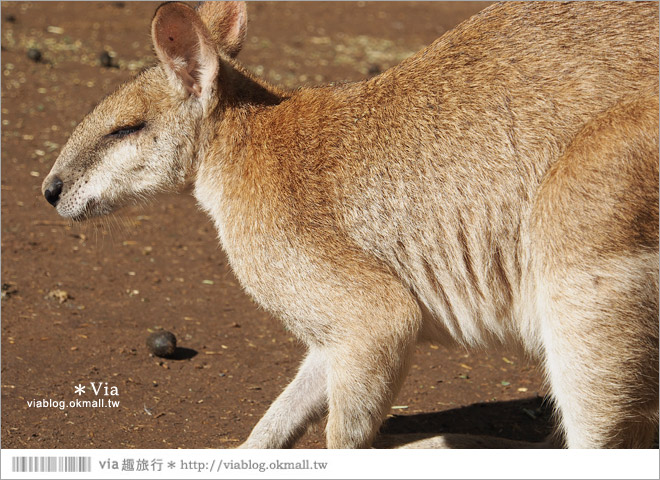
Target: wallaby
500 187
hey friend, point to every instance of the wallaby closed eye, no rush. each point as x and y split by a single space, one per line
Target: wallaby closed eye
124 131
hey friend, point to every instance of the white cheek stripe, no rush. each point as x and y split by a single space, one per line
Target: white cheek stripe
104 180
112 170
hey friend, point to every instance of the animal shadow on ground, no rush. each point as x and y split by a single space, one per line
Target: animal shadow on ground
522 423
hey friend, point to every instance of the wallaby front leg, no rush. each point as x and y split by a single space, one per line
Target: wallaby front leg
302 403
367 369
363 383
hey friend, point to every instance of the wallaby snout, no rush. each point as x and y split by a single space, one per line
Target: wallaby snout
52 188
487 190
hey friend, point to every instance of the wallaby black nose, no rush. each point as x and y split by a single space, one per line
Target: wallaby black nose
52 193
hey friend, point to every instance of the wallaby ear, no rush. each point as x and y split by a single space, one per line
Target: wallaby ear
184 47
227 24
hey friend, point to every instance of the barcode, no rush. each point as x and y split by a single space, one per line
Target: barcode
51 464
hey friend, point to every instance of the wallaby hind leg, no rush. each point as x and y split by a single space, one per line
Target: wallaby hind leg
604 380
302 403
602 361
595 238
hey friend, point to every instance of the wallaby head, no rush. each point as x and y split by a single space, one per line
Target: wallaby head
143 138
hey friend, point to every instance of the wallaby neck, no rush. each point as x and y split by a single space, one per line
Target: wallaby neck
238 87
226 133
240 94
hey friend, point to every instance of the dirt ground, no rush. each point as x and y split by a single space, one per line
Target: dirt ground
78 301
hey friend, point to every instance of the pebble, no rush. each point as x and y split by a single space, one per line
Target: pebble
374 70
161 343
107 61
60 295
34 55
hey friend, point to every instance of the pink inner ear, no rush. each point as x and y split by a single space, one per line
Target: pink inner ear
177 39
177 32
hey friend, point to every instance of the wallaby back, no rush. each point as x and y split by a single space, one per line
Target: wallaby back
431 167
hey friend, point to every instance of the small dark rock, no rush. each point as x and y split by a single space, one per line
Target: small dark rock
119 4
106 60
34 55
8 289
161 343
374 70
10 18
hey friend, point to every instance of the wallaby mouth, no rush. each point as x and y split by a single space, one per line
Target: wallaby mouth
93 208
55 194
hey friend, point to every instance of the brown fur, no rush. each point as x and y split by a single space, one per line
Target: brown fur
598 207
500 186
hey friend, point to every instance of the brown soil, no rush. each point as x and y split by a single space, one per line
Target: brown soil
78 301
